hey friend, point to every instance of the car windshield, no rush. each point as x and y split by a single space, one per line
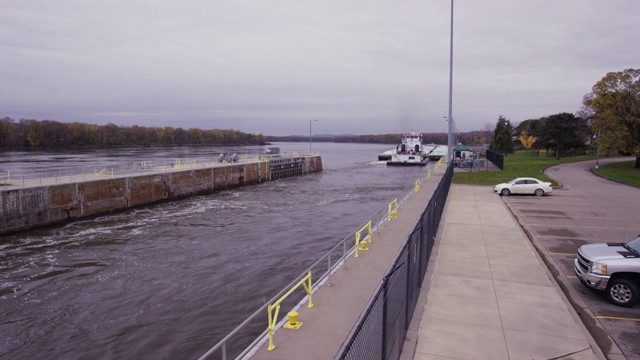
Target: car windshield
512 181
634 244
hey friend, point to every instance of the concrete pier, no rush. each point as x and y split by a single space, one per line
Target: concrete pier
28 204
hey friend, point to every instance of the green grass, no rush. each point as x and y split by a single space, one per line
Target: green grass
516 166
621 171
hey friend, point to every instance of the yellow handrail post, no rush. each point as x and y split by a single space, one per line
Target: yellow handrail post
417 185
429 174
362 245
272 325
308 288
393 211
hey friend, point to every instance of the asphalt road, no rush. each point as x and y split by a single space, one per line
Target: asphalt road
586 209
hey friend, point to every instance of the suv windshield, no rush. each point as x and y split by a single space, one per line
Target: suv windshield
635 244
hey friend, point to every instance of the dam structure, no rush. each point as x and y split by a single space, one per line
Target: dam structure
31 202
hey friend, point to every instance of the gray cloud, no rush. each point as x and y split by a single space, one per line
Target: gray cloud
271 66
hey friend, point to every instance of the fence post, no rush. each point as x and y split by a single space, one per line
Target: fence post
385 288
407 285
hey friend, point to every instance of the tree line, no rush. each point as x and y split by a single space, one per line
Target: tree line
609 119
47 134
472 137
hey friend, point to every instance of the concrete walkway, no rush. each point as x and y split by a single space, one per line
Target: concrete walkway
490 295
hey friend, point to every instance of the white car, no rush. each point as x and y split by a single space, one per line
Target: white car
523 186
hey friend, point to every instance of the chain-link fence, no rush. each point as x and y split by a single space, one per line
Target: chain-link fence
380 333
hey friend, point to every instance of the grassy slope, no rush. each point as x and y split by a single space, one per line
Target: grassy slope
622 171
520 166
516 166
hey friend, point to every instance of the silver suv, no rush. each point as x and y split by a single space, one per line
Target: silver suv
613 268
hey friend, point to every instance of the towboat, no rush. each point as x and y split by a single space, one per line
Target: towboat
410 151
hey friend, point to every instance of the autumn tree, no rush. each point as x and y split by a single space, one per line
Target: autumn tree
502 140
615 103
526 140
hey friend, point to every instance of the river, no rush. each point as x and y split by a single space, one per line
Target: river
170 280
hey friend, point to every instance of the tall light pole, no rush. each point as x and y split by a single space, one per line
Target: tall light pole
450 118
310 122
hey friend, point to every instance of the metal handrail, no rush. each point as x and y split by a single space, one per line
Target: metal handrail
375 221
25 178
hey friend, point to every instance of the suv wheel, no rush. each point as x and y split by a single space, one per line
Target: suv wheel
623 292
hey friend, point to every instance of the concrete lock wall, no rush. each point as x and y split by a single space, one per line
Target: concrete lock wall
27 208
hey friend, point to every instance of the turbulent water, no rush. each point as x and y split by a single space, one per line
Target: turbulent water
170 280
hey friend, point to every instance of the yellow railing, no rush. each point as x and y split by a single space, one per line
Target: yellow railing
273 318
102 173
393 209
417 185
362 245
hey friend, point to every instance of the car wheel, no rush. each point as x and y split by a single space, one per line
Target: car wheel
539 192
623 292
505 192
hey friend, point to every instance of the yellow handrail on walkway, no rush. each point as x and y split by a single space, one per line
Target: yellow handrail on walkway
273 319
393 211
367 227
104 172
417 185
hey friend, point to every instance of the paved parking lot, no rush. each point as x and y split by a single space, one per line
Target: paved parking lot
587 209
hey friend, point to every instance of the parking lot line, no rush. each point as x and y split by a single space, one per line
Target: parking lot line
563 254
584 227
616 318
577 217
578 238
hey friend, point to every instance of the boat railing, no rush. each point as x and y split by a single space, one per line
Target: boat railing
331 262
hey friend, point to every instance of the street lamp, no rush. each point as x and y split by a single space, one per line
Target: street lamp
310 122
450 117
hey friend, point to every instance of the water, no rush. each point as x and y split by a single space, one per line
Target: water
170 280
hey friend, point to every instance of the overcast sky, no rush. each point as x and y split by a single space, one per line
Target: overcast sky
358 67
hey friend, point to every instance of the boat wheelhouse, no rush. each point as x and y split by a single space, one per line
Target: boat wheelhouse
409 151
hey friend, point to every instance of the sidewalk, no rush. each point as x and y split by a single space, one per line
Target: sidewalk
488 294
